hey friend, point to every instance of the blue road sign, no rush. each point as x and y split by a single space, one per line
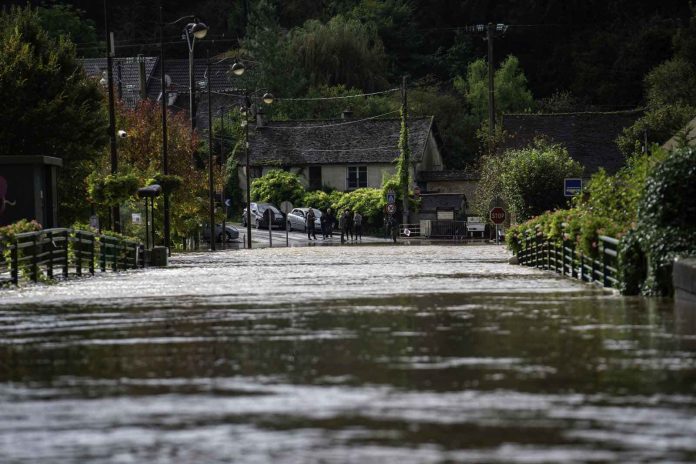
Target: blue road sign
391 197
572 186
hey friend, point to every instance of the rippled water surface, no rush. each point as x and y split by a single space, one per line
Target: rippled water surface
343 354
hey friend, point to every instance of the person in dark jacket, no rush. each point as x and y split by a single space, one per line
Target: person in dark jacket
357 224
349 225
310 218
325 223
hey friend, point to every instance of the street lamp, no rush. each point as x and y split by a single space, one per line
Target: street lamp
198 30
192 31
238 69
115 211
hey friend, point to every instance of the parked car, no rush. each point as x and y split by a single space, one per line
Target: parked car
297 221
259 216
231 233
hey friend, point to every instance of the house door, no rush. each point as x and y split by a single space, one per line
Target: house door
315 177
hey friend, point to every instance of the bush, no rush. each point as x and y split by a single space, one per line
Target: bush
666 213
631 264
368 201
278 186
317 199
112 189
530 179
8 233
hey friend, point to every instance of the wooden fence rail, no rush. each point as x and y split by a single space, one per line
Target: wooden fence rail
562 257
58 253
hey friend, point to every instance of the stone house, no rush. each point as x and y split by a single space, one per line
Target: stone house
342 154
589 137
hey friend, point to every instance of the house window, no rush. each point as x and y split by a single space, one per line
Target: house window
357 177
315 177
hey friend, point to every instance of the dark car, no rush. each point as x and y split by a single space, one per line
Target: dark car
231 233
259 216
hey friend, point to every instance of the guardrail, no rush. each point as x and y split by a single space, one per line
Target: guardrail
539 251
52 253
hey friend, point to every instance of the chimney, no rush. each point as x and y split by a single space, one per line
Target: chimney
260 120
347 114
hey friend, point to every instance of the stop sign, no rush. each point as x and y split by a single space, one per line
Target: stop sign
497 215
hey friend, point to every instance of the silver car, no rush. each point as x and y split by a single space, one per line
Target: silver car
297 219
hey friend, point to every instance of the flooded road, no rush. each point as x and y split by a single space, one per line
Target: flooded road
364 354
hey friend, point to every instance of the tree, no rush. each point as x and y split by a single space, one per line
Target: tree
509 83
50 107
530 179
277 186
66 21
342 51
140 156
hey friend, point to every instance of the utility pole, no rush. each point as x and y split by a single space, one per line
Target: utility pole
490 31
222 175
165 157
211 182
115 211
405 152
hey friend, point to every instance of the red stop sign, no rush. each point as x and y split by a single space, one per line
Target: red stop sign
497 215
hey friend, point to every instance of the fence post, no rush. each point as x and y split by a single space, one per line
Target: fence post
66 249
605 279
34 260
92 253
563 257
77 248
14 263
102 253
51 246
582 266
573 270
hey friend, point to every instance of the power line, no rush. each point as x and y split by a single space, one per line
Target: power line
341 97
323 126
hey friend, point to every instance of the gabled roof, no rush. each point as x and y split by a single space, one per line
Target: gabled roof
130 74
300 143
178 71
589 137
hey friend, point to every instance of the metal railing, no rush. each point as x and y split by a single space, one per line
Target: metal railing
445 229
539 251
53 253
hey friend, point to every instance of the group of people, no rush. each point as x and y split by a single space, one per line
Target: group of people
349 224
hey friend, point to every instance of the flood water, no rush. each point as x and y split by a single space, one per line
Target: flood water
360 354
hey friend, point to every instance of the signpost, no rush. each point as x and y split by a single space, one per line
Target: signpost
572 186
391 208
136 218
391 197
497 216
286 207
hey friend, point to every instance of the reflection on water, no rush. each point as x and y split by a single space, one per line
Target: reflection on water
352 354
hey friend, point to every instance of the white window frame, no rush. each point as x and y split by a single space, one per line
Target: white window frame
357 177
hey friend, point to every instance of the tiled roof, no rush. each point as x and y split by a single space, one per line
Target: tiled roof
130 74
589 137
437 176
299 143
178 71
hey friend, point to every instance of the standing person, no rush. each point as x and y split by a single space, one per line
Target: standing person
331 221
349 225
357 223
309 222
342 225
325 218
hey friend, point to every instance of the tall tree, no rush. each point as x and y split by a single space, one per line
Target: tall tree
50 107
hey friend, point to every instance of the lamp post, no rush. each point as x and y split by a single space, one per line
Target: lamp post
193 31
238 69
211 192
198 30
115 211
